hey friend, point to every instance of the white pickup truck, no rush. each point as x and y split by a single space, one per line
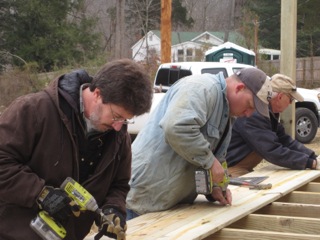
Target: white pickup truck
168 73
307 112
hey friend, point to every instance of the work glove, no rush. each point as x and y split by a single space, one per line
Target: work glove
57 204
112 225
318 163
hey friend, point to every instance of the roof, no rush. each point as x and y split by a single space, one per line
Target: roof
269 51
180 37
228 45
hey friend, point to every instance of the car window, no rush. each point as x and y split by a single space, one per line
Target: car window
215 71
168 76
236 69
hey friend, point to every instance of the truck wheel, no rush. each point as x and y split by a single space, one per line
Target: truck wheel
306 125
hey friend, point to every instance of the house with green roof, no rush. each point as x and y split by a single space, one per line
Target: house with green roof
185 46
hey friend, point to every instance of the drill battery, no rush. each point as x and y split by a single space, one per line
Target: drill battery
47 228
203 181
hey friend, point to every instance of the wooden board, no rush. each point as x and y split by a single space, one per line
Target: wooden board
202 219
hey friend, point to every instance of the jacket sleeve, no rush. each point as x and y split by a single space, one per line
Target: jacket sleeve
276 147
19 129
186 114
119 188
293 144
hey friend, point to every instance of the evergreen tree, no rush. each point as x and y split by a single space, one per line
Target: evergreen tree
179 16
308 29
269 21
52 33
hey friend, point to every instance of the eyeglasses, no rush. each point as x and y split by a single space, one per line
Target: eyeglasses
120 119
290 97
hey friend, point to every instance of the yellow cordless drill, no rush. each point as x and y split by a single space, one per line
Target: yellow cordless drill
204 183
48 229
226 179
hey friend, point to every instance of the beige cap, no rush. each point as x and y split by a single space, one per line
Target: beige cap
284 84
258 82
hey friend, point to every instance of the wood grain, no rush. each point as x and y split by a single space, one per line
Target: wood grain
204 220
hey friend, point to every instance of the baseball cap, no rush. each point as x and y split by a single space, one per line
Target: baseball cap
283 83
259 84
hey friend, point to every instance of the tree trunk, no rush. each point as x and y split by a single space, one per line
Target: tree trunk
120 29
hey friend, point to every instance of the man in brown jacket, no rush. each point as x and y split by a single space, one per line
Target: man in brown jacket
75 128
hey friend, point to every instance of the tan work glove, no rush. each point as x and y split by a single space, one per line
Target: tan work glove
318 163
117 229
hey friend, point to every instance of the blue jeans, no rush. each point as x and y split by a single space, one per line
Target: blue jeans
131 214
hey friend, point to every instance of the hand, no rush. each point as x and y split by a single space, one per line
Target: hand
217 194
117 229
317 160
217 171
57 203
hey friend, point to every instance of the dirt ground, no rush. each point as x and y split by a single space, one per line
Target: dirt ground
314 145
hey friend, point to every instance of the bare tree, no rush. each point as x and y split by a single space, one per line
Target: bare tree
120 28
214 15
105 10
143 16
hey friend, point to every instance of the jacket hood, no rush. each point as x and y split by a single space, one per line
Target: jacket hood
71 82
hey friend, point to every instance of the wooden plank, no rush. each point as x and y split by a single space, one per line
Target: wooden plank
316 180
202 219
310 187
291 209
301 197
229 234
277 223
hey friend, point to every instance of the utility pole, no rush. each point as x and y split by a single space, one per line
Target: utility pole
288 55
166 9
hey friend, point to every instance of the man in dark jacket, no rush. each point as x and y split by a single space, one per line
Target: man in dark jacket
258 137
75 128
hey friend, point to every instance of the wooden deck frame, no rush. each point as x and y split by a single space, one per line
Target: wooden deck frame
292 199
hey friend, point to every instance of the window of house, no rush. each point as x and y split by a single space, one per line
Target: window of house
180 55
189 54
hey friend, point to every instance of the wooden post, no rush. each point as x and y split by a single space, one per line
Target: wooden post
166 9
256 51
288 55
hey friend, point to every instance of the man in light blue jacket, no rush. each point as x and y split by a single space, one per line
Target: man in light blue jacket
191 128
